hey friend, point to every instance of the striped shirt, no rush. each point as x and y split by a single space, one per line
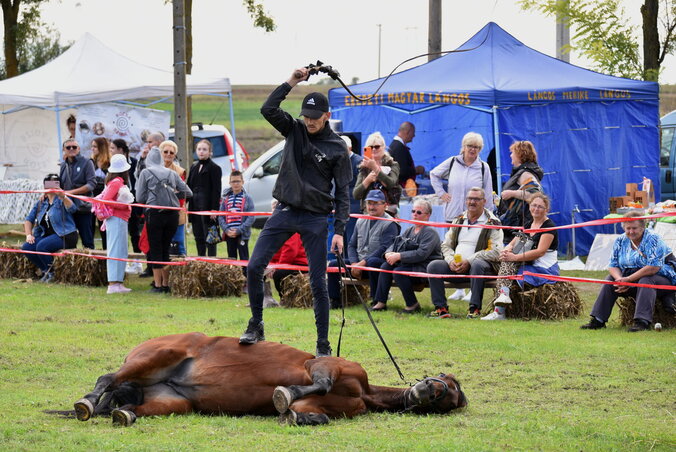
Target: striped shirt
234 203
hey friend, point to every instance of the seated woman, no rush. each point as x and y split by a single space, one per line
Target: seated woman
378 171
638 256
50 227
537 252
411 251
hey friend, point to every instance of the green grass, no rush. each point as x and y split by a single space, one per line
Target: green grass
532 385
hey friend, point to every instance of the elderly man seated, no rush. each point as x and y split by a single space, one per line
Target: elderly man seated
467 251
367 245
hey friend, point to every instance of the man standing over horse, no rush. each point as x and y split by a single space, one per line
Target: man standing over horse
314 160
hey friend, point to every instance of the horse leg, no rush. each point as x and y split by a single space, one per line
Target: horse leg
158 400
84 408
324 372
316 410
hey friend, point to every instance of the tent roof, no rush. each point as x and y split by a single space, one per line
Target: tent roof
494 68
89 72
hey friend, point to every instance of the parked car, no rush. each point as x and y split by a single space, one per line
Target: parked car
221 143
668 156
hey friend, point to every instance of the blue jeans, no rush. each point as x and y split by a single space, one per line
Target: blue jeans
50 244
405 283
312 227
476 285
334 279
179 237
116 233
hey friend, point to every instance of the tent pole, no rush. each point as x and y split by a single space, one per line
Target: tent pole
496 139
235 153
58 133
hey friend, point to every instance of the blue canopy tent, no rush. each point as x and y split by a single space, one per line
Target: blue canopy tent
593 132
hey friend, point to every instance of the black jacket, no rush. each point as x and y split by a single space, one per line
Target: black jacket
205 185
311 164
402 155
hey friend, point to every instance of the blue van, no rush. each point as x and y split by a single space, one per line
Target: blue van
668 156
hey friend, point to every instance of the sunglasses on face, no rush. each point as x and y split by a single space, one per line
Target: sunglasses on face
376 146
71 148
168 153
418 212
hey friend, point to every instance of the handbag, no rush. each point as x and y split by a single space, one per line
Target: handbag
525 243
402 244
213 234
143 243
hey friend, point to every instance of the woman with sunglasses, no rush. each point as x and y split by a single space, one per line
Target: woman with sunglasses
411 251
169 151
462 172
378 171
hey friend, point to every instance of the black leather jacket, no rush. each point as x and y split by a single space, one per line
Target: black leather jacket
311 164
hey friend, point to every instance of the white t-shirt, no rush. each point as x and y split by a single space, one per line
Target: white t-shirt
468 237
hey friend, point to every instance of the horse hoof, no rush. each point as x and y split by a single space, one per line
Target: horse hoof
83 409
282 399
123 418
288 418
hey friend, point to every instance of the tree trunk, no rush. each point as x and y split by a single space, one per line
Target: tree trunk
10 15
651 40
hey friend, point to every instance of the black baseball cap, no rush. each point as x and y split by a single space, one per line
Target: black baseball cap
314 105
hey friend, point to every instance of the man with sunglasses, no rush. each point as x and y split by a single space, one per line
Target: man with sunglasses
314 164
78 178
467 251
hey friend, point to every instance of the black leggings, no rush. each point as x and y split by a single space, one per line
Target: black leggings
161 227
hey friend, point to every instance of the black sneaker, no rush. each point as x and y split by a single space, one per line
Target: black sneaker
639 325
323 349
147 273
154 289
593 324
254 333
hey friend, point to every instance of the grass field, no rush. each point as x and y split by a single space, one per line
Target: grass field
532 385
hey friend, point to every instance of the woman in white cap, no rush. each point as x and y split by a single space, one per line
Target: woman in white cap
117 189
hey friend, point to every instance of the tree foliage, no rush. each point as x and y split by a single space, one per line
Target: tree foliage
603 34
260 17
29 42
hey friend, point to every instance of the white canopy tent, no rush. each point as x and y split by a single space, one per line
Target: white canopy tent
88 72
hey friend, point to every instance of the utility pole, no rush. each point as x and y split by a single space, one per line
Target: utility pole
181 125
562 35
380 35
434 30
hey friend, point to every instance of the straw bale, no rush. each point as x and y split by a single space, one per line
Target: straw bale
296 291
16 265
627 307
547 302
80 270
206 279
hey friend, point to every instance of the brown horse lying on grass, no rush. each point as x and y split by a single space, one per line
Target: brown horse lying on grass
185 373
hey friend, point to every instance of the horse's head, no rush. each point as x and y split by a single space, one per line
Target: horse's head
436 395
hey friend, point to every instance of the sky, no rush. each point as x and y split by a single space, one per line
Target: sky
343 33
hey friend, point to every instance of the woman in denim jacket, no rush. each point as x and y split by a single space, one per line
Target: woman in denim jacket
50 227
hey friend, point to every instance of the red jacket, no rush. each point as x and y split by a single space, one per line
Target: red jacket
292 252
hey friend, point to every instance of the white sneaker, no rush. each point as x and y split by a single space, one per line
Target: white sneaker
502 300
457 295
467 297
494 316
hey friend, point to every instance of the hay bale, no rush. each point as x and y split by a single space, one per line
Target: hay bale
80 270
547 302
627 307
16 265
296 291
206 279
353 293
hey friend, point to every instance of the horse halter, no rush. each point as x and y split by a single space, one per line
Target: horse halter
434 399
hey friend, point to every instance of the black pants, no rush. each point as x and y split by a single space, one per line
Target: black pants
313 229
161 227
200 227
96 226
238 246
134 227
